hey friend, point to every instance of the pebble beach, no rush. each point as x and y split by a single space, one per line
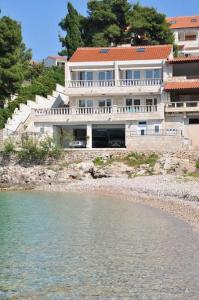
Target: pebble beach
174 195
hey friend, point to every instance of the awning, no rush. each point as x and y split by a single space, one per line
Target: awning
181 85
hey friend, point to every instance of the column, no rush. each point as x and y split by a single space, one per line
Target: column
89 137
116 73
67 74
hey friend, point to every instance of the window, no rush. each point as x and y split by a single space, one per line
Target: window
140 50
153 74
172 22
105 103
137 74
104 51
157 74
194 20
189 37
82 103
105 75
137 102
133 74
41 130
129 74
129 102
155 101
149 74
149 102
157 129
87 76
85 103
194 121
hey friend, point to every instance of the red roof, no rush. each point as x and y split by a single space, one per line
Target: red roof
181 85
183 22
121 53
183 59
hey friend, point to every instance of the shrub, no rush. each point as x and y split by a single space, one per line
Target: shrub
9 147
98 161
197 164
135 159
30 151
33 150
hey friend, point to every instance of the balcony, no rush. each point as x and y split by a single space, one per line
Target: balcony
98 87
182 107
99 114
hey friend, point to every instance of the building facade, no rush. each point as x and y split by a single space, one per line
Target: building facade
122 97
186 33
51 61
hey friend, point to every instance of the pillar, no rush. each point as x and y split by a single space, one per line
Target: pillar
116 73
89 138
67 74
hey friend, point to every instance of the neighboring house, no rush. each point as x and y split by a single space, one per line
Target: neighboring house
55 61
139 98
186 32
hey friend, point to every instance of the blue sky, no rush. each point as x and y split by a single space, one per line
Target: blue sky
40 18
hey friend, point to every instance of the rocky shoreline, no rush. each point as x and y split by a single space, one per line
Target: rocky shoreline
165 183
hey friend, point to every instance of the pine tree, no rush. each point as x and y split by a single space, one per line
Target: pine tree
14 58
149 27
72 25
106 22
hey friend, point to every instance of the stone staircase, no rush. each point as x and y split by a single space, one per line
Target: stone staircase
22 114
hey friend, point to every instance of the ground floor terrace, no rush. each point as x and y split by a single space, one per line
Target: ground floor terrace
152 135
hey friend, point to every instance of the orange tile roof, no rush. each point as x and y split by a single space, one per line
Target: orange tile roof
121 53
181 85
183 59
183 22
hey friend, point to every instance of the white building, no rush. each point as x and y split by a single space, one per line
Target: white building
124 97
51 61
186 32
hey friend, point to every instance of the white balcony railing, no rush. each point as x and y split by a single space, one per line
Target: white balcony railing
138 82
137 109
90 83
112 83
184 104
191 106
97 110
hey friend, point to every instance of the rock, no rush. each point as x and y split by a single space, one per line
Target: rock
171 164
50 173
100 173
141 172
86 167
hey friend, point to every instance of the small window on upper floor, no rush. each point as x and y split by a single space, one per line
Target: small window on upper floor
104 51
140 50
172 22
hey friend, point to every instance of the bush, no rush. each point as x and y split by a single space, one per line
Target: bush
98 161
30 151
197 164
9 147
34 151
135 159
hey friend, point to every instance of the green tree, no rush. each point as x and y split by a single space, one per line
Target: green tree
14 58
148 27
72 24
42 83
106 22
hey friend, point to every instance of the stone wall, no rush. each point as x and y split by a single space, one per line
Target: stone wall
155 143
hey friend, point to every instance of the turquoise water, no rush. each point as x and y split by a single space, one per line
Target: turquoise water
62 246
